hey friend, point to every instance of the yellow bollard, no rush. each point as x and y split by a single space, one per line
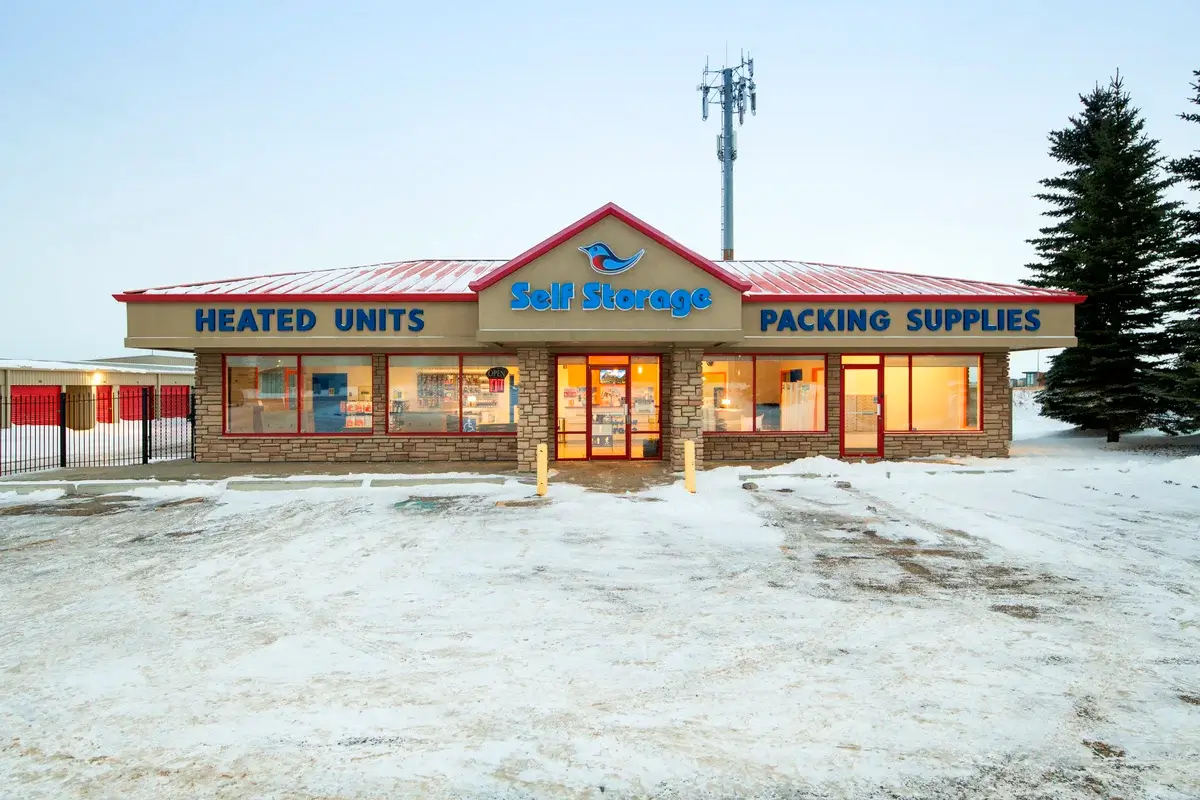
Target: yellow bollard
543 470
689 465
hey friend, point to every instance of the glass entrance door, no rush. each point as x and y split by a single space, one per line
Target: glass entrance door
862 411
608 406
609 410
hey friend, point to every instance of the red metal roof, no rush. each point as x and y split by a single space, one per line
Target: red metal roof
768 281
759 281
773 281
398 280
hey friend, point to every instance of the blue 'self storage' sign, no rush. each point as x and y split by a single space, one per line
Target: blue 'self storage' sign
597 295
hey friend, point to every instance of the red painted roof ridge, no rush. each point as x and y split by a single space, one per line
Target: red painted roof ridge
610 210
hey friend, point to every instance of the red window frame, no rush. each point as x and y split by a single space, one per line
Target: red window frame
754 431
298 370
882 413
460 432
908 431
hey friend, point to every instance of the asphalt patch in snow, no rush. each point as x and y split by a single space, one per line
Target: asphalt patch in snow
1018 611
72 507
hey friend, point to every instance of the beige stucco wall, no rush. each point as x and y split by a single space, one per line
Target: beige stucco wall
456 326
172 326
659 268
1057 329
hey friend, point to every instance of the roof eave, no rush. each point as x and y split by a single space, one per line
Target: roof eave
1074 299
396 297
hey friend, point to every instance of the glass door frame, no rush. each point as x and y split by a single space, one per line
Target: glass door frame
879 412
629 365
628 409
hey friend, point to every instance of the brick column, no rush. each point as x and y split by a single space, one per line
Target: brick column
208 406
997 403
380 402
534 420
833 400
684 418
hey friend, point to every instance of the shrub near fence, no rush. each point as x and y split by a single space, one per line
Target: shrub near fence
45 428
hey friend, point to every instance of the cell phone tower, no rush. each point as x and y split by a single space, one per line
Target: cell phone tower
732 86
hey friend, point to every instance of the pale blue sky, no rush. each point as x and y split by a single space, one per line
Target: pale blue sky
156 143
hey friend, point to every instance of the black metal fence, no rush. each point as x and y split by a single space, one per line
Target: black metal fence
42 427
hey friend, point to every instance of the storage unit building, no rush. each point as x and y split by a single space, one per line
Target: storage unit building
102 391
607 340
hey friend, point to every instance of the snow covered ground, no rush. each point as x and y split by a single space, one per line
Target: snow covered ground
30 448
1019 628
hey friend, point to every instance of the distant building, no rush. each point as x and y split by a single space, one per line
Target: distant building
1030 380
103 390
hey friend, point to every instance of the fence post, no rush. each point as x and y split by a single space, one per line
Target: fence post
62 429
192 422
146 424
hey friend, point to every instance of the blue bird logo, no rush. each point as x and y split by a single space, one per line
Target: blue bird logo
605 261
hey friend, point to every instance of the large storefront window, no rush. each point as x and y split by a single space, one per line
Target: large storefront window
489 394
895 393
727 403
452 394
423 394
335 394
747 394
260 394
571 418
276 395
931 393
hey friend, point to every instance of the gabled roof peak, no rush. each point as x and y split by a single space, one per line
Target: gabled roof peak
611 210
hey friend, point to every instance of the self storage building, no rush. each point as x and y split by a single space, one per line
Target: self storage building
608 340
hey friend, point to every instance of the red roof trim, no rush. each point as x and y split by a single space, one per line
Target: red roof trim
1074 299
610 210
210 299
202 299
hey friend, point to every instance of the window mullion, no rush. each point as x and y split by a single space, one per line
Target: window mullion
299 391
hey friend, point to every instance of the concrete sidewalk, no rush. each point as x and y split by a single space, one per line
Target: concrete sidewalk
630 476
184 470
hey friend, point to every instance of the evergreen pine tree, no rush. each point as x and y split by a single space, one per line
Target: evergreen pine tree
1111 240
1183 393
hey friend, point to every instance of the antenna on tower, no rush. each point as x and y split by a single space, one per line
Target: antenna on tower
732 87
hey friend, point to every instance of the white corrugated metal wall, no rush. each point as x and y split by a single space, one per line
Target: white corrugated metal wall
65 378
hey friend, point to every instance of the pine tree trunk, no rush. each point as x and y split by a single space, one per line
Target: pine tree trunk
1113 436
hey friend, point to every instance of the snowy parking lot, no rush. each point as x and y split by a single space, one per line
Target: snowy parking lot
1019 628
